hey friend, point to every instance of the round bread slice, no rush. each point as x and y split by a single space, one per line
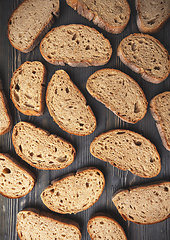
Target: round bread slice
102 226
74 192
15 180
145 55
50 226
118 92
41 149
76 45
68 107
127 150
27 88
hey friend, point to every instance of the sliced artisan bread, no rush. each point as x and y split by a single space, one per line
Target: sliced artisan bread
127 150
15 180
67 105
30 22
27 88
145 55
74 192
112 16
102 226
119 92
41 149
76 45
159 107
152 15
144 204
33 224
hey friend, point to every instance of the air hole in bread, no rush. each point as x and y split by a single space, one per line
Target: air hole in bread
39 156
20 148
151 22
31 154
101 222
157 68
152 160
52 190
131 217
16 97
77 42
87 47
166 189
6 170
2 159
17 87
51 162
56 91
120 133
67 90
55 149
137 143
87 184
74 36
136 108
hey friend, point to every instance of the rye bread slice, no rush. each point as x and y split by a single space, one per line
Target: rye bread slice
15 180
74 192
152 15
144 204
30 22
50 226
145 55
127 150
27 88
68 106
76 45
112 16
116 91
160 110
41 149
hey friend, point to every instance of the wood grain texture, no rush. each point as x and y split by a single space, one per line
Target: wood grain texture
11 59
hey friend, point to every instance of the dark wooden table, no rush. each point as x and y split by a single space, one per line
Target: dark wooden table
11 59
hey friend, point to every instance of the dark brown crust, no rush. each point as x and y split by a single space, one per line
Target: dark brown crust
127 131
107 105
74 174
56 218
53 116
159 121
83 10
42 95
137 69
76 63
44 131
38 38
141 186
23 168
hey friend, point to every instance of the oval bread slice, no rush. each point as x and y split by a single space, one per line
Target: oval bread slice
68 107
118 92
144 204
41 149
145 55
50 226
76 45
74 192
15 180
127 150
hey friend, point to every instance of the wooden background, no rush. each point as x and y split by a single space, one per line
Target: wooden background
11 59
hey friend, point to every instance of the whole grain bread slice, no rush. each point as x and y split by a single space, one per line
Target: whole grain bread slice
145 55
15 180
76 45
152 15
144 204
30 22
67 105
74 192
127 150
159 107
27 88
50 226
41 149
112 16
116 91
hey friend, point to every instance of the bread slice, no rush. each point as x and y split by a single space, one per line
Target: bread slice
68 106
152 15
27 88
144 204
102 226
112 16
15 180
145 55
41 149
33 224
127 150
30 22
116 91
159 107
74 192
76 45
